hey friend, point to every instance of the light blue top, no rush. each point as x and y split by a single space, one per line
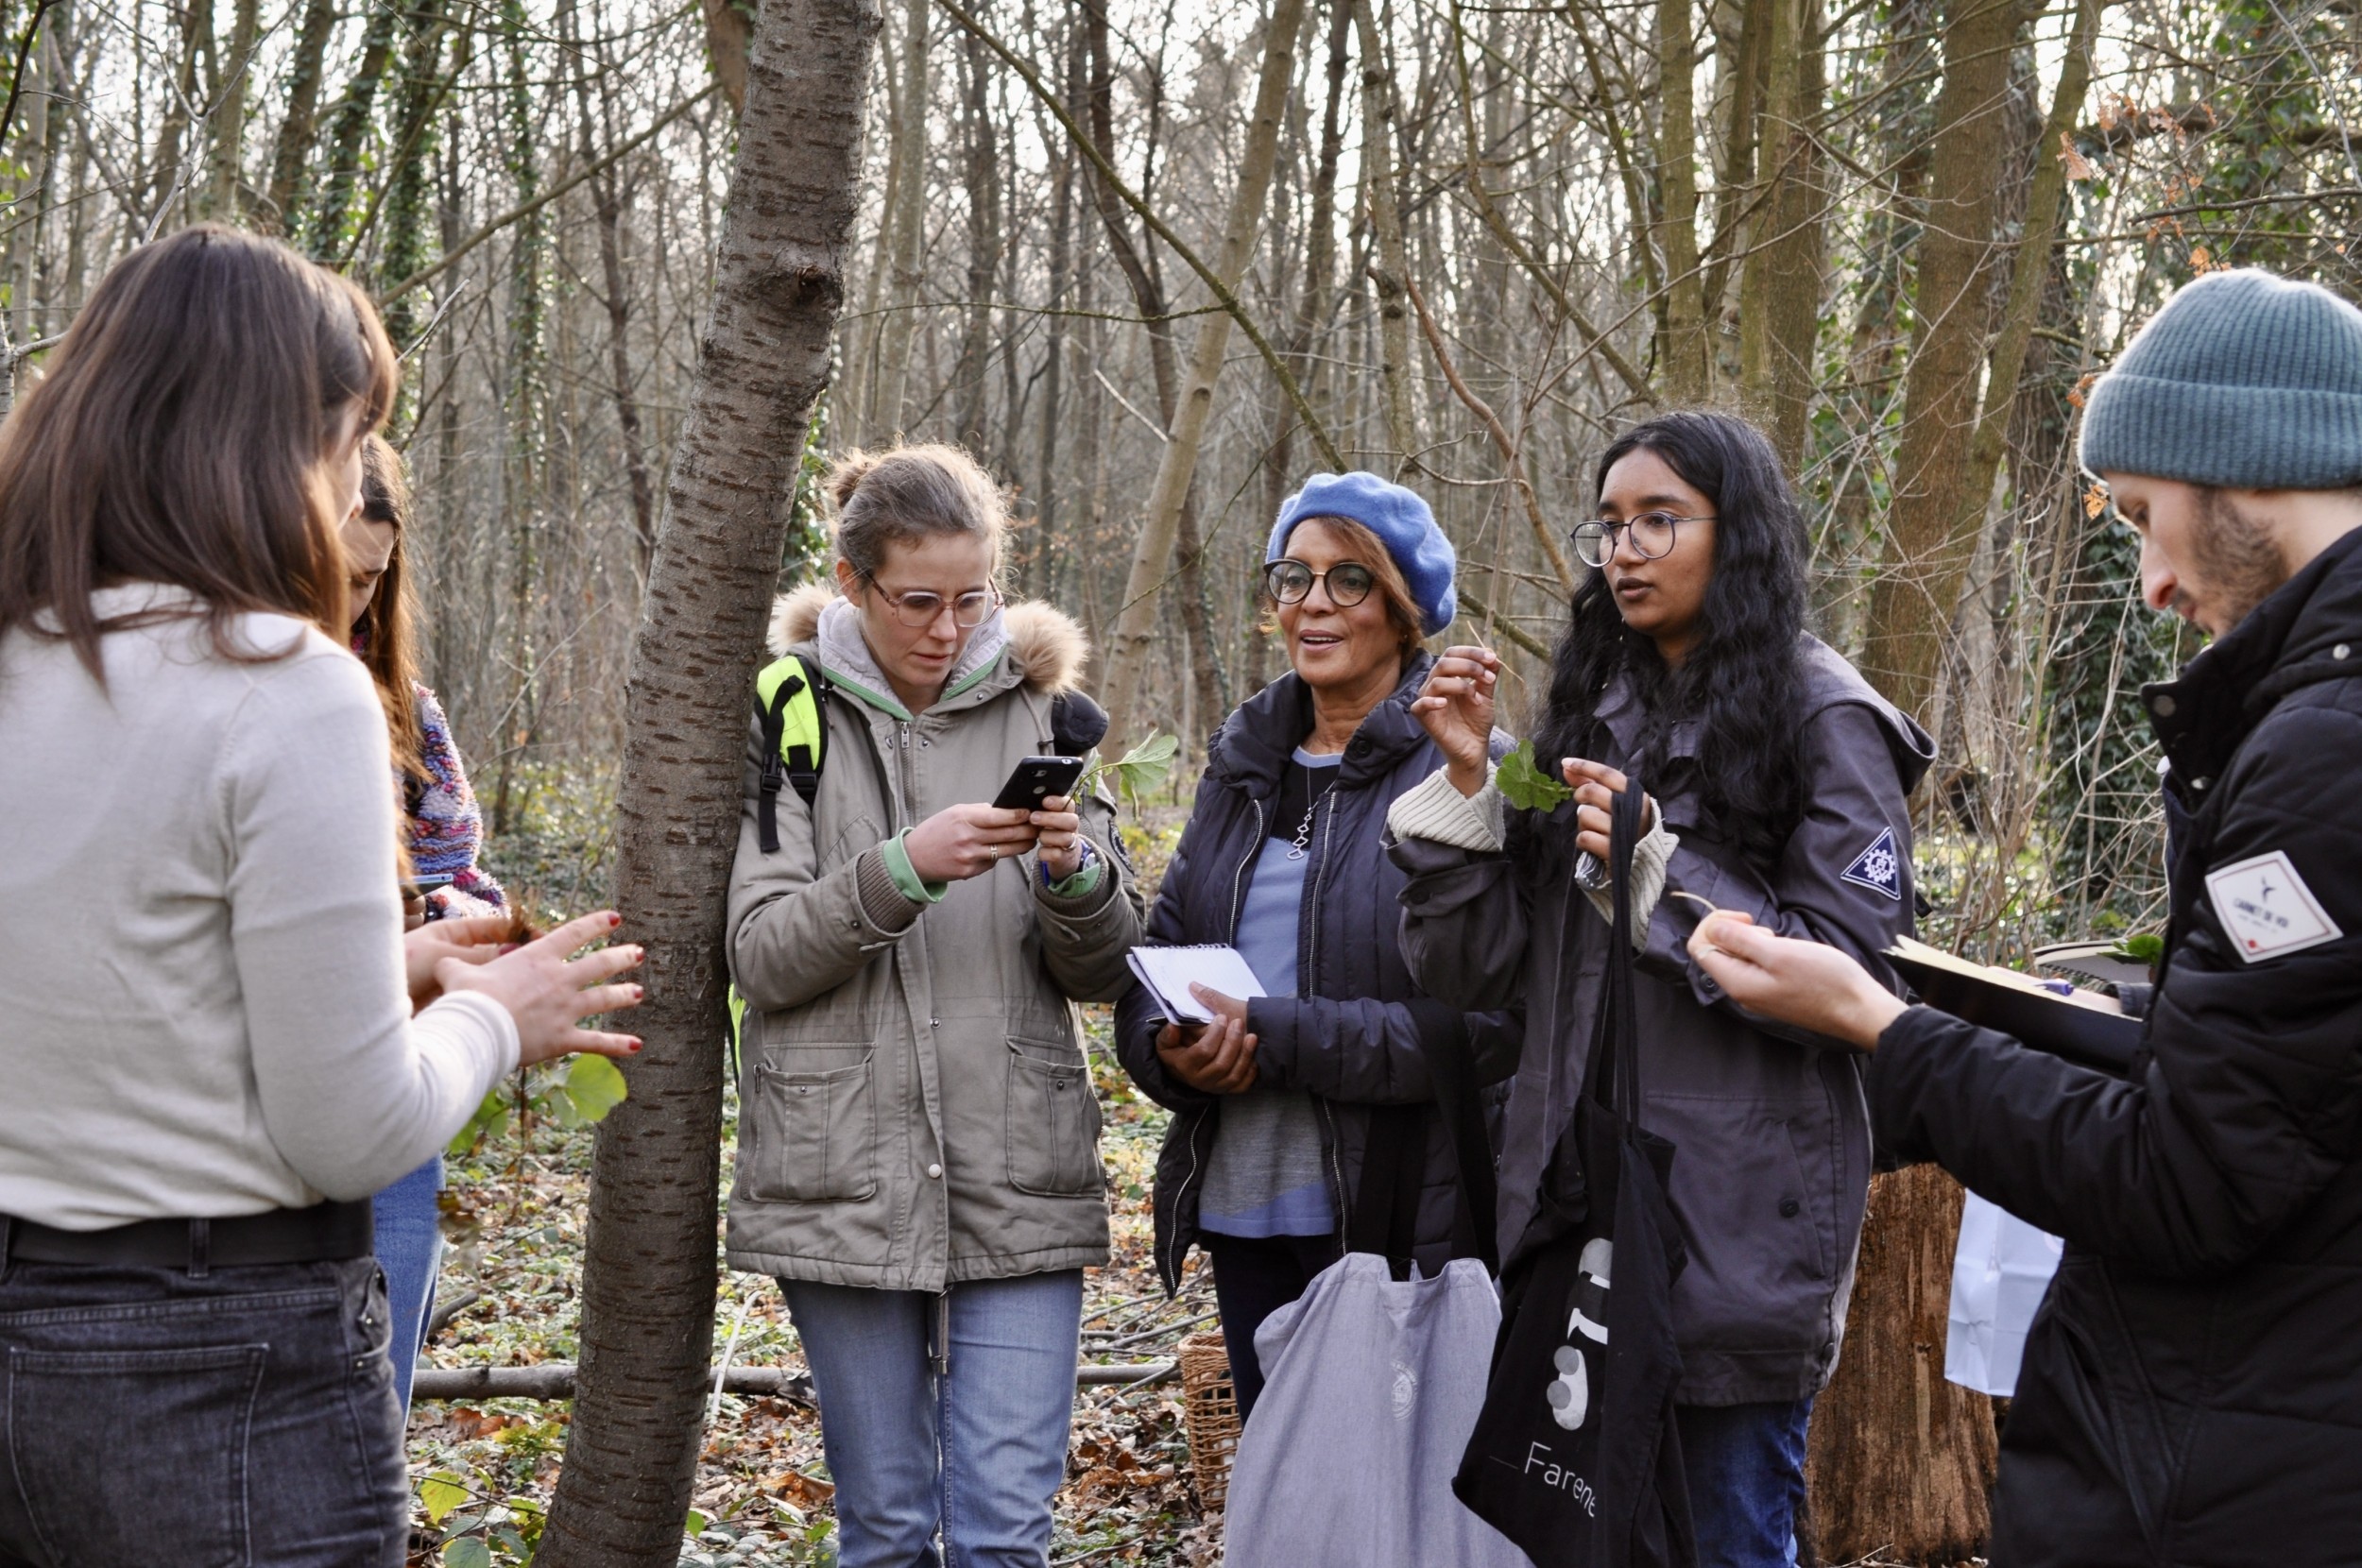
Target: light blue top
1264 1175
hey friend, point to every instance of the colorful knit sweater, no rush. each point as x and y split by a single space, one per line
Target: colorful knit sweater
446 827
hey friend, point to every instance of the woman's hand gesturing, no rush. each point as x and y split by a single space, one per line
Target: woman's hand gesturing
549 994
1456 707
960 842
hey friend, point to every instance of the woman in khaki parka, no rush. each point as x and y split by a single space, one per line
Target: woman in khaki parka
918 1158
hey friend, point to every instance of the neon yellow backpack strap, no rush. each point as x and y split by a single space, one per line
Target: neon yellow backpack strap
738 1032
795 735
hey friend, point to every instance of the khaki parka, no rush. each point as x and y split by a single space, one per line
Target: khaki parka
916 1108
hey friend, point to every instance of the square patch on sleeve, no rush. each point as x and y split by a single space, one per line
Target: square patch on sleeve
2265 909
1879 868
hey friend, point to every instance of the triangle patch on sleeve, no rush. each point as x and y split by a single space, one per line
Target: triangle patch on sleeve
1879 868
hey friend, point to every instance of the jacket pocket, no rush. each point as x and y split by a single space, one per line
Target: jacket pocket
1053 1122
816 1135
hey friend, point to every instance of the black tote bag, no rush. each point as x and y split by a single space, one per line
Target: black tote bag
1575 1456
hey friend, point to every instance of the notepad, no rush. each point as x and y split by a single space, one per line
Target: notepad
2019 1005
1168 972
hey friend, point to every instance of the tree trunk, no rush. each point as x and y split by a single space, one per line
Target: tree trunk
1392 269
1779 287
983 246
1136 627
1041 554
407 196
908 225
292 150
347 127
1900 1459
607 204
648 1271
222 201
1687 359
1930 535
729 25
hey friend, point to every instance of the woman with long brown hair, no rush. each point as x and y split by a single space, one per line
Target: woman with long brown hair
211 1056
442 833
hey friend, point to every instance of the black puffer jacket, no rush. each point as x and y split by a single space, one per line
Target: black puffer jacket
2192 1388
1354 1038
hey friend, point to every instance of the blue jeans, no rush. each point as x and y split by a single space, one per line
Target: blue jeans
1746 1467
152 1416
410 1250
977 1454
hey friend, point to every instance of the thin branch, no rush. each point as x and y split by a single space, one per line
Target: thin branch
1484 411
451 257
1089 148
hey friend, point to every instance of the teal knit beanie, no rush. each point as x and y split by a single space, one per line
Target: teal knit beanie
2244 379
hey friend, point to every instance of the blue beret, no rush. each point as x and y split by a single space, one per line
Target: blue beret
1403 524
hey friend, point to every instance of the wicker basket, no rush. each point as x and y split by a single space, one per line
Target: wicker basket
1210 1408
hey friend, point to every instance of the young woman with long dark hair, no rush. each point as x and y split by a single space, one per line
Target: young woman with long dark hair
1777 780
211 1059
442 833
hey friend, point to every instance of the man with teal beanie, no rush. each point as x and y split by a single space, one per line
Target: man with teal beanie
2192 1388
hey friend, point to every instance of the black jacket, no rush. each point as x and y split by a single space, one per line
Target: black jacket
1354 1038
1770 1134
2192 1388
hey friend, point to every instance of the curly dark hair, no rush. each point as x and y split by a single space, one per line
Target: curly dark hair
1742 676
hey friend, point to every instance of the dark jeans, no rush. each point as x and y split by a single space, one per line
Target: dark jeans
247 1416
1746 1468
1254 1277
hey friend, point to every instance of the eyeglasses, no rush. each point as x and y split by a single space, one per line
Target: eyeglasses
919 608
1290 581
1652 536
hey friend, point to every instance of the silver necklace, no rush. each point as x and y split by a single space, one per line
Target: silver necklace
1303 828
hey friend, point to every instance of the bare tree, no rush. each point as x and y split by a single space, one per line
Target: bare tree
648 1277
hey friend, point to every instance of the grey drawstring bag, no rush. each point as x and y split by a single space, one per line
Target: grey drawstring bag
1373 1387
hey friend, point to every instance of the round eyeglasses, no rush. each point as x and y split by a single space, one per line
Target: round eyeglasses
1651 534
1348 582
918 607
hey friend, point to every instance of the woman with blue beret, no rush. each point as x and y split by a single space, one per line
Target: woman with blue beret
1280 1103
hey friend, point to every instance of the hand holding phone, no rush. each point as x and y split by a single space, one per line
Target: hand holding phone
1036 779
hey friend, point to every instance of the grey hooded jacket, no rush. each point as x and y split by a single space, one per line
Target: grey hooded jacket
916 1109
1771 1134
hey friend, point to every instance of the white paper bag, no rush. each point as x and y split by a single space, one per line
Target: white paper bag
2000 1272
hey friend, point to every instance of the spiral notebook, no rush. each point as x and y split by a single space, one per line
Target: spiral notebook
1168 972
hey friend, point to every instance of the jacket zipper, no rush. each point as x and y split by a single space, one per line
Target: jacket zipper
1306 960
1238 897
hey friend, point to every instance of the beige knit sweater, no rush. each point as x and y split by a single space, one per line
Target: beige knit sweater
202 1009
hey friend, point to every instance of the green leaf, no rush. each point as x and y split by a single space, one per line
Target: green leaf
1136 772
467 1552
594 1086
441 1493
696 1524
2143 947
491 1121
1524 784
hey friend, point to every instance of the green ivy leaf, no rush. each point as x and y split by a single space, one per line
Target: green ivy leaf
467 1552
441 1493
2142 948
1524 784
594 1086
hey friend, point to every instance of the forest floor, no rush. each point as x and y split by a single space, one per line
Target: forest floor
482 1472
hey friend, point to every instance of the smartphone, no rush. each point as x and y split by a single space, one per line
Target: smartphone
418 887
1035 779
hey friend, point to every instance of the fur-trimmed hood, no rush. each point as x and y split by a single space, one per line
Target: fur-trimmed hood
1046 647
